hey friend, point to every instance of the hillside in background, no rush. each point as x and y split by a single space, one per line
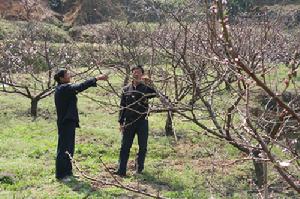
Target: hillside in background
79 20
76 12
79 12
21 10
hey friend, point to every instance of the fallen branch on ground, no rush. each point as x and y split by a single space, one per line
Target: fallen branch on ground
117 183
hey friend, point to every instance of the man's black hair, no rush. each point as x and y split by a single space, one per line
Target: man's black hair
138 67
59 73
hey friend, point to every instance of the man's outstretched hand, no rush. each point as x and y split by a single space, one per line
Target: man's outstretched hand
102 77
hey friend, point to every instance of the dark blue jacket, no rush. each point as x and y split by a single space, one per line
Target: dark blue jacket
66 100
134 102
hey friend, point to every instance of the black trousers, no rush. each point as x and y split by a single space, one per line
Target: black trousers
140 128
66 142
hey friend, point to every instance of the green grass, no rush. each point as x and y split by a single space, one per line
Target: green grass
7 28
55 34
28 153
191 168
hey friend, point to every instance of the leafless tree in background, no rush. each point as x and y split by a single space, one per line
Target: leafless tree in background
226 77
245 56
27 65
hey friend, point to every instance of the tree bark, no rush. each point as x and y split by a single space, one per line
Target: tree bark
33 107
169 124
259 170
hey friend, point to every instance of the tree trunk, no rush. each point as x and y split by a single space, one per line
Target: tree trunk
260 170
34 106
169 124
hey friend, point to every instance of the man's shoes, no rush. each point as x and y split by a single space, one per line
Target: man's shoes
65 179
121 174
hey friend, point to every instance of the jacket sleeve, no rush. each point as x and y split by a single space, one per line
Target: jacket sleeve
122 108
151 93
77 88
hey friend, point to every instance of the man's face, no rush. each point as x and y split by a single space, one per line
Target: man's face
137 74
67 78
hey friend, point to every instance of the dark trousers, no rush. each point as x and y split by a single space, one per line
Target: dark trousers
140 128
66 142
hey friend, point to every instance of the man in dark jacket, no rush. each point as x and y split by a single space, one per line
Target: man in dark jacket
67 118
133 119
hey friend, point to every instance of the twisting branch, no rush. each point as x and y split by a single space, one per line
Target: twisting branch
116 182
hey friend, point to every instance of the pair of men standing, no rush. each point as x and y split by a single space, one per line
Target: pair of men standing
132 119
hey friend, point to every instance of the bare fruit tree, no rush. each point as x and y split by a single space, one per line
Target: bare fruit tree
239 93
235 79
27 66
